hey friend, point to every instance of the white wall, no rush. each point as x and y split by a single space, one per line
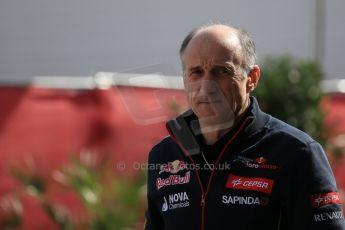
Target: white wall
82 37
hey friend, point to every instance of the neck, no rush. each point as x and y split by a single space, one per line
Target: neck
213 131
211 134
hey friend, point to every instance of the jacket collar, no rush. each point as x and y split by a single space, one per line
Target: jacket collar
258 118
185 127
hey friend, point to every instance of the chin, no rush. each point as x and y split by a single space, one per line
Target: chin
205 114
208 117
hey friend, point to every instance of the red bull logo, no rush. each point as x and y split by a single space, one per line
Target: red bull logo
173 167
172 180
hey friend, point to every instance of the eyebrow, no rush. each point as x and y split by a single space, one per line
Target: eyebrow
226 65
194 68
231 67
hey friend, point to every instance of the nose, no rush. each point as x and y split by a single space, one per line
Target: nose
207 85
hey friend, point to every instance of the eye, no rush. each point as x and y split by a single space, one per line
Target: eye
223 71
195 72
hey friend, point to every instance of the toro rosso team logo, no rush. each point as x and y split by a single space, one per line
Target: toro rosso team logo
173 167
319 200
258 163
250 183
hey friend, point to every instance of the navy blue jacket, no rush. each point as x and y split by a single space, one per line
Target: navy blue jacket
267 175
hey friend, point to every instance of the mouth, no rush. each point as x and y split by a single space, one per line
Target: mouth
209 102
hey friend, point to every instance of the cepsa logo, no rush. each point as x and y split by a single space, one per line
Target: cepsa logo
319 200
247 183
173 167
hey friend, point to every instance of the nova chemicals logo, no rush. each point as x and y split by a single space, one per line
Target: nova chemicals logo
176 200
165 205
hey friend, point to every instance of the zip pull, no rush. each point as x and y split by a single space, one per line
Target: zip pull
202 200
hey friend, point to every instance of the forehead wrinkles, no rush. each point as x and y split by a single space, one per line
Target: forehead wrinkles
207 50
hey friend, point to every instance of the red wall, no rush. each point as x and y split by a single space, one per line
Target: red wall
47 126
41 128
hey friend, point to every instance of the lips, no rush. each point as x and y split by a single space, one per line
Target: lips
208 101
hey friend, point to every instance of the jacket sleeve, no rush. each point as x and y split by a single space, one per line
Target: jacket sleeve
313 201
153 218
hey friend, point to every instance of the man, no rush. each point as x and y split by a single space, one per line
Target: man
228 165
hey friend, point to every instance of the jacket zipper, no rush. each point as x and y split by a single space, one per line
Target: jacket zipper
202 200
204 193
203 210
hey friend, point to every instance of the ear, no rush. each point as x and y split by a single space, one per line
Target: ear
253 78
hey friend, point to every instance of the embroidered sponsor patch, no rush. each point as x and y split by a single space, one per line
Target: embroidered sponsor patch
174 201
247 183
172 180
319 200
173 167
258 163
245 200
328 216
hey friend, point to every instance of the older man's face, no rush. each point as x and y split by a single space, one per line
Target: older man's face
214 81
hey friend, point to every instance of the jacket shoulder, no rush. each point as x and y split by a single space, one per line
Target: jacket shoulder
280 128
159 151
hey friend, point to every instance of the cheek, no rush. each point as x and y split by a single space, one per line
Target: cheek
191 89
189 92
234 93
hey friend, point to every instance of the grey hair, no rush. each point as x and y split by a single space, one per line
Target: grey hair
246 41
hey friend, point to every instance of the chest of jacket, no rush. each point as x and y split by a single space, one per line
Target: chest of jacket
244 188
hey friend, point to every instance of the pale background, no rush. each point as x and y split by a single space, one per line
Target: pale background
83 37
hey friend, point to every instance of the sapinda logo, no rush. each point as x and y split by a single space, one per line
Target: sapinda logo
245 200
